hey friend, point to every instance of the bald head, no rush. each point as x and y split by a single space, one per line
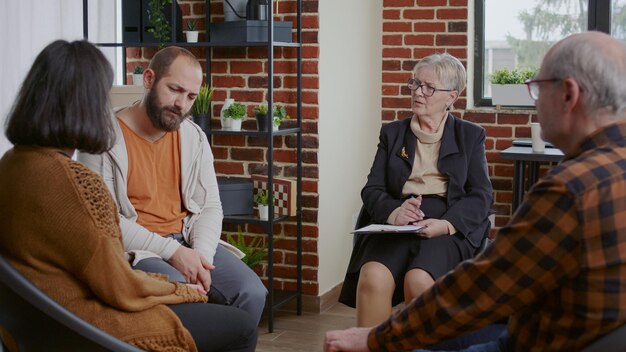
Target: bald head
597 62
164 58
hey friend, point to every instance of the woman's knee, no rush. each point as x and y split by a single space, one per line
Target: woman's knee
416 281
375 278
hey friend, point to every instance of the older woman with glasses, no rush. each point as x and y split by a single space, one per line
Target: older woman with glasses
429 170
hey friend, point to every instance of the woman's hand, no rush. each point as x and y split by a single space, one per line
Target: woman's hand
433 228
409 211
199 288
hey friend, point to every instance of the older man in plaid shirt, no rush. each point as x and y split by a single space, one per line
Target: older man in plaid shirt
558 269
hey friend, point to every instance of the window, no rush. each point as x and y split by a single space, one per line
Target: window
517 34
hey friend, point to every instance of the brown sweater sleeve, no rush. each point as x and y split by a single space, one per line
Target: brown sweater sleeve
106 272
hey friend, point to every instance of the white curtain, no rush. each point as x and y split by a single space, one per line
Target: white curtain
27 26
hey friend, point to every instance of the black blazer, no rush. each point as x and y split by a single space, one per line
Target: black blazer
461 158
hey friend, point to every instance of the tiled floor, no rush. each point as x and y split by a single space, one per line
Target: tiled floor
304 333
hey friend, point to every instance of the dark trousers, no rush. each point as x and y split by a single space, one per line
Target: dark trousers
491 338
216 327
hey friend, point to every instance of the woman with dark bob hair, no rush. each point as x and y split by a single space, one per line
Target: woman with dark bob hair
429 170
59 222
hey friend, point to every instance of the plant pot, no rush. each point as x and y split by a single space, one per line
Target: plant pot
235 124
263 212
202 120
276 124
192 36
511 95
261 122
226 124
138 79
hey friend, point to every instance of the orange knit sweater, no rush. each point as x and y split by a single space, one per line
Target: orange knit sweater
60 230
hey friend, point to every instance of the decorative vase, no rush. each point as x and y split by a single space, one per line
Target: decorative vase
261 122
138 79
202 120
263 212
226 124
192 36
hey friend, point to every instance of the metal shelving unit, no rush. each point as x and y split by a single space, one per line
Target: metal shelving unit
276 298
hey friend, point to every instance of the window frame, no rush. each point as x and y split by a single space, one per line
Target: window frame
598 19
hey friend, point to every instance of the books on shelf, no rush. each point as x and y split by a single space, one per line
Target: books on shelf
383 228
284 193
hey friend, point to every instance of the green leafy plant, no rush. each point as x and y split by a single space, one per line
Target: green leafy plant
202 105
261 109
191 25
235 111
138 70
255 250
280 114
261 197
515 76
162 28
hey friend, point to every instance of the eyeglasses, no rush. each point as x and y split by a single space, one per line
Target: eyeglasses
533 86
427 90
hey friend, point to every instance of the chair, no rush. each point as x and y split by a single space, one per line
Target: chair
38 323
615 341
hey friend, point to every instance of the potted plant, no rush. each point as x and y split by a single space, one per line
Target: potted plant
280 114
260 111
192 32
161 28
138 75
233 115
202 107
254 251
261 199
508 88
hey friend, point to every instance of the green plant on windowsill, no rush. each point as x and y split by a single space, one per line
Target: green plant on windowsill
254 251
261 198
514 76
162 28
202 105
138 70
235 111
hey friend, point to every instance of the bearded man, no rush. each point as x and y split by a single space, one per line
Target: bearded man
161 175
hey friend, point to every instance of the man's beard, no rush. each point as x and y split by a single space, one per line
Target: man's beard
156 113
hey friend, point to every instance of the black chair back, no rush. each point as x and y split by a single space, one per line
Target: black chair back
615 341
38 323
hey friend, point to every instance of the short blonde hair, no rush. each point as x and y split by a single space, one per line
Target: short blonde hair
449 70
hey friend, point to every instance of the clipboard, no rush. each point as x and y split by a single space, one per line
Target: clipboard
383 228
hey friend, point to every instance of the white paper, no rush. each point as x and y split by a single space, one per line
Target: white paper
381 228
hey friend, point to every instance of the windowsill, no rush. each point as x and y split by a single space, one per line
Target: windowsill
502 110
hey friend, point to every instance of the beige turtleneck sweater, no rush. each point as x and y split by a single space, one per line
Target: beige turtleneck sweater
425 178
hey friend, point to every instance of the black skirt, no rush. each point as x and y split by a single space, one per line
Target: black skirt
403 252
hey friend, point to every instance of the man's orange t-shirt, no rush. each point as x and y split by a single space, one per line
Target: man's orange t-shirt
154 184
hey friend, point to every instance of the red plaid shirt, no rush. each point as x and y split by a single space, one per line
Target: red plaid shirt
558 269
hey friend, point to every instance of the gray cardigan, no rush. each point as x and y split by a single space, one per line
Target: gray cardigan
200 195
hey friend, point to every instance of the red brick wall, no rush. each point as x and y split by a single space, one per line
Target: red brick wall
413 29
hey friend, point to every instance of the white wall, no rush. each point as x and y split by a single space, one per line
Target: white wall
27 26
350 38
